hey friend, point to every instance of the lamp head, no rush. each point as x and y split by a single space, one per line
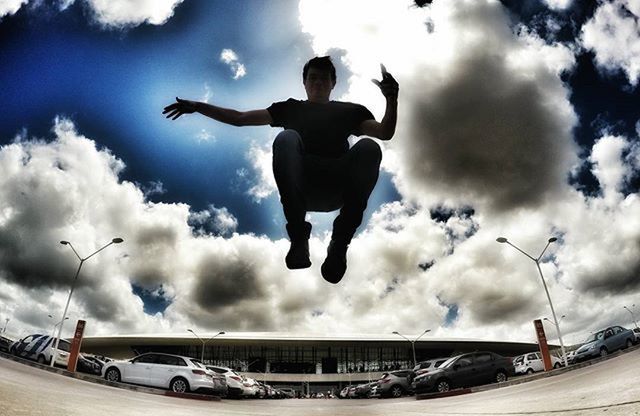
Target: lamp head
221 333
117 240
501 240
395 332
553 240
64 243
190 330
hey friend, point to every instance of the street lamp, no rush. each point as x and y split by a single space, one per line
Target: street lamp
413 344
53 331
537 262
633 318
116 240
204 342
549 320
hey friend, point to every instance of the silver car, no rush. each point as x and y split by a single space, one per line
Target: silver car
605 342
394 384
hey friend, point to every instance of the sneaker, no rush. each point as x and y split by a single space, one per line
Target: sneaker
298 255
335 265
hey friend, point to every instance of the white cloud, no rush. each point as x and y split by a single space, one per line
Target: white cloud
9 7
112 13
613 34
229 57
260 159
67 188
558 4
205 136
121 13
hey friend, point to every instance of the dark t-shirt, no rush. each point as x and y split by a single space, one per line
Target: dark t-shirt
324 127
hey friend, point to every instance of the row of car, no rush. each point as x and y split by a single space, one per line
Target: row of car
440 374
184 375
472 369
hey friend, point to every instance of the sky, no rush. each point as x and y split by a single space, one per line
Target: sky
517 118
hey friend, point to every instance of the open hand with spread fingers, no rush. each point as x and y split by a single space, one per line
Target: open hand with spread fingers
179 108
389 86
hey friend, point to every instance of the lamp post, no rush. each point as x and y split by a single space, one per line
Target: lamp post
633 318
204 342
413 343
6 321
116 240
53 331
537 262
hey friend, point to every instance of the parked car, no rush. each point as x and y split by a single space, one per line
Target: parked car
364 391
344 393
39 348
173 372
5 343
86 365
604 342
233 380
289 393
532 362
429 365
636 332
465 370
394 384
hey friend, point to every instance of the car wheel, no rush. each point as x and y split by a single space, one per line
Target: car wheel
396 391
443 386
501 377
603 352
557 365
529 371
41 359
179 385
112 374
629 343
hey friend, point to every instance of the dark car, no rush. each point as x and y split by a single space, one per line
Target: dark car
465 370
5 343
86 365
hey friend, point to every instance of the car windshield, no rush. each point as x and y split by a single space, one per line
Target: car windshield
449 362
594 337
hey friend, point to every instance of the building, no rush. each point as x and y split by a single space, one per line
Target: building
315 362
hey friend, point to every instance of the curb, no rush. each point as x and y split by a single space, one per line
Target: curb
524 379
98 380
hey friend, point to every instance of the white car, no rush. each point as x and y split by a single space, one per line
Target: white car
532 362
174 372
39 348
234 380
250 387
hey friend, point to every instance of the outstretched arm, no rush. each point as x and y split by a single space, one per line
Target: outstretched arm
223 115
387 128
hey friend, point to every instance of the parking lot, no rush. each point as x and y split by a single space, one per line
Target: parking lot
609 386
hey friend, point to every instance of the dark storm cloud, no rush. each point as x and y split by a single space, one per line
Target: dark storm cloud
222 283
489 135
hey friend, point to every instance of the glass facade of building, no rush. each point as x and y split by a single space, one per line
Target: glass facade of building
305 359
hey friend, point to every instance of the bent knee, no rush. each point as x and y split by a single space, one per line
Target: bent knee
369 149
287 139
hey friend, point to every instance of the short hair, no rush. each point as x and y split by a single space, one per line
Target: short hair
322 63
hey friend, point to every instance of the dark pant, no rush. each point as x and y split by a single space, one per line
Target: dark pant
312 183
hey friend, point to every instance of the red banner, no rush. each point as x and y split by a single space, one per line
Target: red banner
75 346
542 342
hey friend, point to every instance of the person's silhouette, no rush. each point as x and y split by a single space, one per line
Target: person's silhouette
313 166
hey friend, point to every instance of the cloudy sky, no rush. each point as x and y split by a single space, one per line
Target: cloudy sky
517 118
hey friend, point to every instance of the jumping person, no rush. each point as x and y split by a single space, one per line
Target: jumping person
314 168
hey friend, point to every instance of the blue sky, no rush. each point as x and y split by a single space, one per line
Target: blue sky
528 126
